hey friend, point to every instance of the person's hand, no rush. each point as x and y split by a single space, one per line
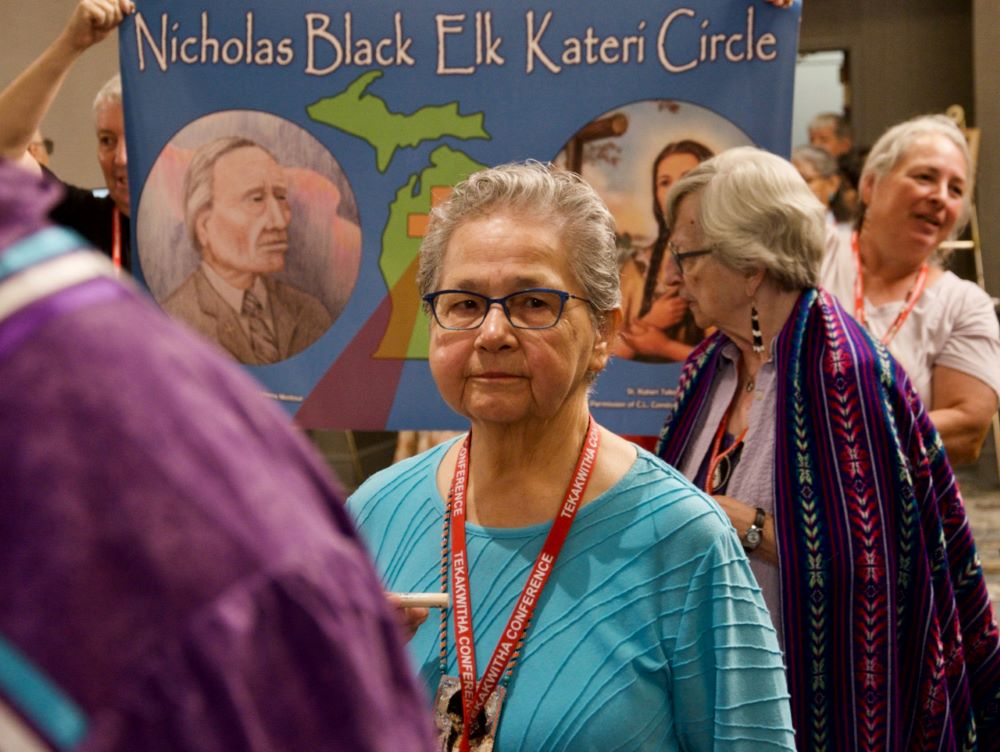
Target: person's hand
642 339
781 3
620 348
410 619
665 312
92 20
650 341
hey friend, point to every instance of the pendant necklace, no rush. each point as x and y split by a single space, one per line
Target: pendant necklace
722 462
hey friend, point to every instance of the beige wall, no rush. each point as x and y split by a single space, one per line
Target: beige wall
906 57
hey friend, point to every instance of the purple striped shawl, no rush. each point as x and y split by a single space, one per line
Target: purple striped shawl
890 638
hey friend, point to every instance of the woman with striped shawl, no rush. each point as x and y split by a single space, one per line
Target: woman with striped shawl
811 438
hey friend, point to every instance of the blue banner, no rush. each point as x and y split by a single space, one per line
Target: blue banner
295 149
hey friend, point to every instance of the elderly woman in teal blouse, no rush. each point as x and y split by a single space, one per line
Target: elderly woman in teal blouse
598 600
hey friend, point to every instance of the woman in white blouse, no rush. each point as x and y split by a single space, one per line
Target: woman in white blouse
915 191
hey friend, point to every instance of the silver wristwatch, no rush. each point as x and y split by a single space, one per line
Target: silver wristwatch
755 533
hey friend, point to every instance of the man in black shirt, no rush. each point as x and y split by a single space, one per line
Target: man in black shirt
104 221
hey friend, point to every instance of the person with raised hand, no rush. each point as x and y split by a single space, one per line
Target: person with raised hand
102 220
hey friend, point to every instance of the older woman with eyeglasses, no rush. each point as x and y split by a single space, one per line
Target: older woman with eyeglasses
814 442
598 600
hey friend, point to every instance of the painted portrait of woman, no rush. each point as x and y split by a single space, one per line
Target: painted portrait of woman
657 323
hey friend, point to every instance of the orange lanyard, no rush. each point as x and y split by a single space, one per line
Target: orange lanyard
474 696
116 241
717 457
912 296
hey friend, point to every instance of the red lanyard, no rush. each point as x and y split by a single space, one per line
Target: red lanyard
116 241
512 637
912 296
717 456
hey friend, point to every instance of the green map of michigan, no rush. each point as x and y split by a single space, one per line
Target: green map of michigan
367 117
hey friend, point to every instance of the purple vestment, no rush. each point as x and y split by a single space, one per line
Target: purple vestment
176 569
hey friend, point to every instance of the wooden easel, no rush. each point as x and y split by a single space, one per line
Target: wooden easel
957 113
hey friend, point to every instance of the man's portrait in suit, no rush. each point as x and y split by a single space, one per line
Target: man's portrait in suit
237 216
242 201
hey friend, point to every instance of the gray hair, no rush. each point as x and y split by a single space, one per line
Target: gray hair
893 145
826 166
199 188
839 123
533 189
819 159
109 94
757 211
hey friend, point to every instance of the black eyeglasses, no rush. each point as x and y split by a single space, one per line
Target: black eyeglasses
535 308
678 256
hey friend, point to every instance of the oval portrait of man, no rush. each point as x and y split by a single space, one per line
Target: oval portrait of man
248 232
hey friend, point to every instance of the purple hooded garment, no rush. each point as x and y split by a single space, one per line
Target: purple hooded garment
176 569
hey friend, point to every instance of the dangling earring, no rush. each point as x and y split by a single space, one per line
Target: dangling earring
758 335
